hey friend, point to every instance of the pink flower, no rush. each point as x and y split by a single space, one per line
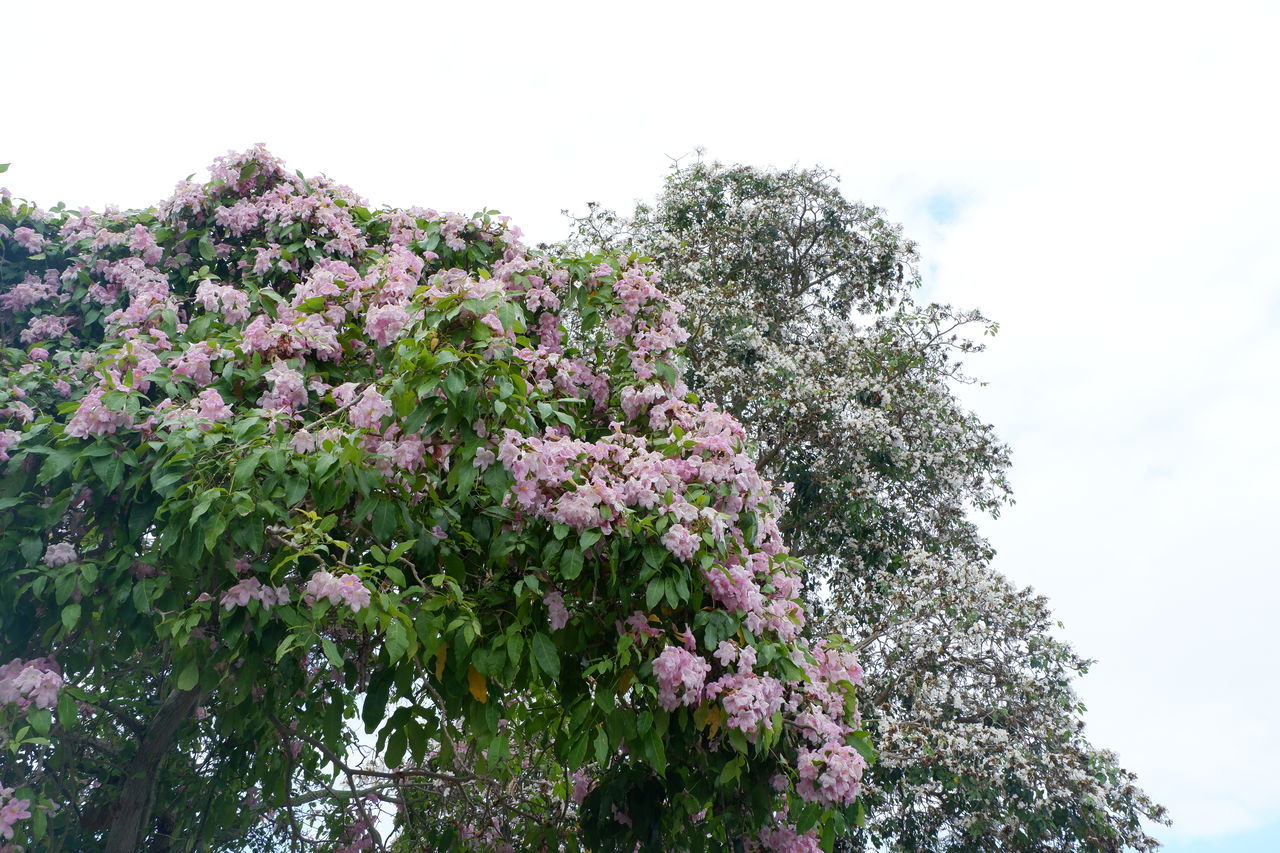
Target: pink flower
8 438
347 588
288 392
27 683
749 700
409 453
195 363
28 239
369 410
557 613
302 442
12 812
241 593
831 775
212 407
680 541
680 675
384 323
59 554
582 785
44 328
784 839
344 393
93 418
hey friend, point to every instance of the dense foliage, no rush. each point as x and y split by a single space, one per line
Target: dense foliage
276 466
805 325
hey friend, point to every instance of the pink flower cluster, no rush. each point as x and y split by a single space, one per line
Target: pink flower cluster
252 589
750 700
12 810
8 438
93 418
30 291
369 410
288 390
46 327
347 588
28 239
557 613
195 363
681 675
831 775
26 683
784 839
233 303
59 554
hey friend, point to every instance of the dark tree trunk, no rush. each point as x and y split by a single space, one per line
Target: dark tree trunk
132 813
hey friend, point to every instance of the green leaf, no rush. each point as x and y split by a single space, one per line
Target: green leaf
655 751
571 564
4 167
589 537
498 749
602 746
396 745
808 817
331 652
829 836
207 251
418 740
70 615
375 700
189 676
68 712
384 520
399 551
861 741
31 547
397 640
286 644
544 652
41 720
654 593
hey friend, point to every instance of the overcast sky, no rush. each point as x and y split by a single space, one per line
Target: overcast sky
1103 179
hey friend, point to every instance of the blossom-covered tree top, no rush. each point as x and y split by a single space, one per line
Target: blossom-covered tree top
272 462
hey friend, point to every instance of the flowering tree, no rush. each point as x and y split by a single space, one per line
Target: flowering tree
276 466
804 325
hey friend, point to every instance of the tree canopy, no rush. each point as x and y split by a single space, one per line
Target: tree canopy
276 466
806 324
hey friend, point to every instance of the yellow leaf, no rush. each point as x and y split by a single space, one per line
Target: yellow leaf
440 655
716 715
625 681
476 682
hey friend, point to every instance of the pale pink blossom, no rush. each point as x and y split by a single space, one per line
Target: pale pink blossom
557 613
302 442
8 438
346 588
211 406
28 239
369 410
680 675
680 541
59 554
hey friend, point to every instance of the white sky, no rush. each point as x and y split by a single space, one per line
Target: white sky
1101 178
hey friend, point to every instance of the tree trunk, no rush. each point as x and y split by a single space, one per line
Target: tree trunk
138 791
